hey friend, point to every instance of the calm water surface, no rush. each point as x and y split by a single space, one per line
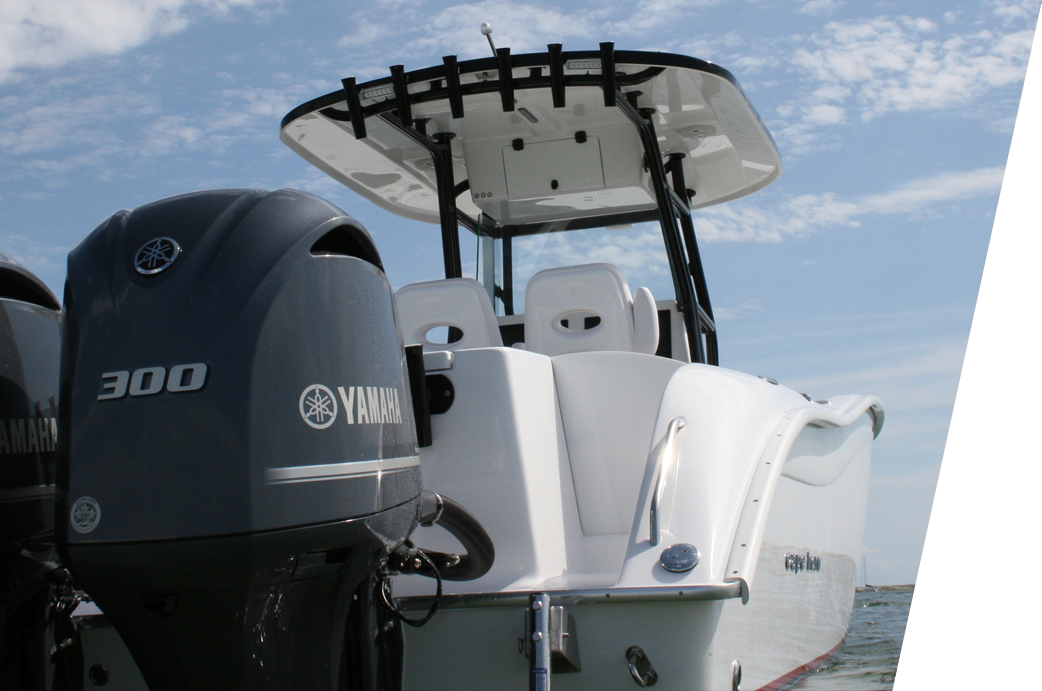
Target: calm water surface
957 637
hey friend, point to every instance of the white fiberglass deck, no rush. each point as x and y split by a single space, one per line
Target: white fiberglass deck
558 457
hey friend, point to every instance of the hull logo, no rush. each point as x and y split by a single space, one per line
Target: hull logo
85 515
156 255
799 562
318 406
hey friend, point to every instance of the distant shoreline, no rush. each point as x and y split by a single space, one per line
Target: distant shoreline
958 584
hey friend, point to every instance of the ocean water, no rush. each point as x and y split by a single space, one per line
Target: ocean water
957 637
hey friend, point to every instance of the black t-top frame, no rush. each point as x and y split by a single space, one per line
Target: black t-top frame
671 193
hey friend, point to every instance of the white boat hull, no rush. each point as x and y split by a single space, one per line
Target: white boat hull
778 474
792 622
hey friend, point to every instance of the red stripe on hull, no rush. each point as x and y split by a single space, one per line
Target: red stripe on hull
786 679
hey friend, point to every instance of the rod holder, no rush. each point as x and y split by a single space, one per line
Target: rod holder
452 86
401 95
556 74
506 79
608 73
354 107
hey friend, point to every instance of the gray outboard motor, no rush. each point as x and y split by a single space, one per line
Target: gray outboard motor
30 339
237 444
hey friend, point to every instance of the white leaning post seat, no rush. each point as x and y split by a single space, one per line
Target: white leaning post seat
559 301
454 302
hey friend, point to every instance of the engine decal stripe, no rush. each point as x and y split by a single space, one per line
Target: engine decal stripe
336 471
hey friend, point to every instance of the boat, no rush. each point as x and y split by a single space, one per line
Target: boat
275 472
657 519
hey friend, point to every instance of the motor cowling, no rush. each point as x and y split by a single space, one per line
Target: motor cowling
30 339
238 450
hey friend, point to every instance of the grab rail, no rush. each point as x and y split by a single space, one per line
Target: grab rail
663 464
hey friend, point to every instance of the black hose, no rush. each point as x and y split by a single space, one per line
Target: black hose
479 554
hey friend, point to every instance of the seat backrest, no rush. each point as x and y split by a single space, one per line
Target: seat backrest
460 303
585 308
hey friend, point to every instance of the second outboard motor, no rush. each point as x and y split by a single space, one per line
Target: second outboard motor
237 444
30 339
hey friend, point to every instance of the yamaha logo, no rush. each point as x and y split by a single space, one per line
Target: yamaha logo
318 406
362 405
156 256
85 515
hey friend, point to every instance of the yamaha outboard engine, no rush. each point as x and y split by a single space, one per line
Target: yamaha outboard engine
237 443
30 339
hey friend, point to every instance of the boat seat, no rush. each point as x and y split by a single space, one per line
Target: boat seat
459 303
587 308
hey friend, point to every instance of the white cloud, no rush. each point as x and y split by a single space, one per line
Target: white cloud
911 358
45 260
170 132
825 114
649 15
919 380
945 187
416 32
809 213
1016 11
741 311
51 33
869 68
819 7
44 139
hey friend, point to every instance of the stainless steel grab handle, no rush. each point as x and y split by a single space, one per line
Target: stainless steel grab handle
666 458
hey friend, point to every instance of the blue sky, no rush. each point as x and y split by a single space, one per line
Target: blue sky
857 272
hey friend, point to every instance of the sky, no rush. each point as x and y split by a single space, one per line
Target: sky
857 272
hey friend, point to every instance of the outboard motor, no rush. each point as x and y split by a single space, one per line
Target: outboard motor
238 451
30 340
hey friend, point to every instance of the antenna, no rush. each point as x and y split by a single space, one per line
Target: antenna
486 29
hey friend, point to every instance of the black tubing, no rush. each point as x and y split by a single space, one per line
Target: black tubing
479 555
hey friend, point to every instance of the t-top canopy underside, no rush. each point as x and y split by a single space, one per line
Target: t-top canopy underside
552 143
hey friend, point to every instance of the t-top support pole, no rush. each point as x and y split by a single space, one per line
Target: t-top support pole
686 300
